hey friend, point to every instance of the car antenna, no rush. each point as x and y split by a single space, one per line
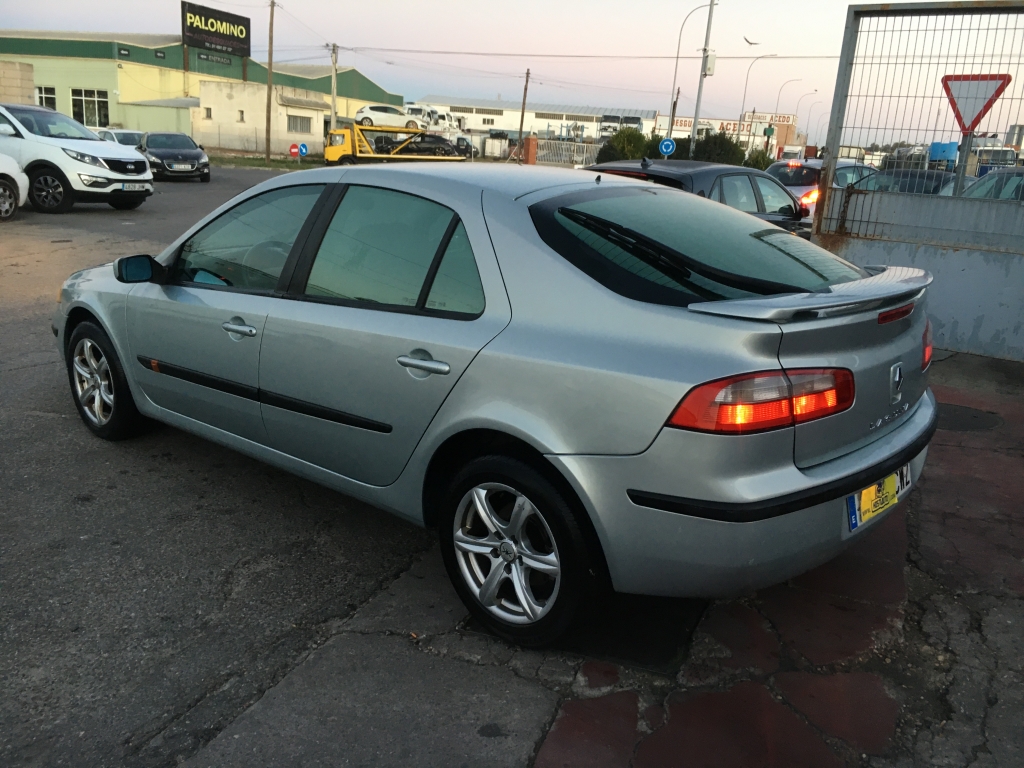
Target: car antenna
645 164
598 179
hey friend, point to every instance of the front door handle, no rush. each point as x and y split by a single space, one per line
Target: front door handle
430 366
239 328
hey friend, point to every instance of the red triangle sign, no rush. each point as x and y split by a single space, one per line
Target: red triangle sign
972 96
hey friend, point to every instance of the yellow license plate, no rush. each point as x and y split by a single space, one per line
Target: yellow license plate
875 499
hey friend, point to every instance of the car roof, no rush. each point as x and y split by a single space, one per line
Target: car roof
32 107
675 168
817 162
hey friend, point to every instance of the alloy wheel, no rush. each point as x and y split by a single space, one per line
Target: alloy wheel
8 202
48 191
94 387
507 553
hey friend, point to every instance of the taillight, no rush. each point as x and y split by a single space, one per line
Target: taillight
756 402
794 164
892 315
926 344
810 198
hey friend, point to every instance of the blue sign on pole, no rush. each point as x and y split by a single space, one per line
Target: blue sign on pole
303 150
667 147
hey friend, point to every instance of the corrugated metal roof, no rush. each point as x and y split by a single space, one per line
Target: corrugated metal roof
533 106
146 41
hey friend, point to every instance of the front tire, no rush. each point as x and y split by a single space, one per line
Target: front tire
50 191
411 124
98 385
205 179
8 200
514 550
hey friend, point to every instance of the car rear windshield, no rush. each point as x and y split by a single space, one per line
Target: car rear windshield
128 139
169 141
794 175
668 247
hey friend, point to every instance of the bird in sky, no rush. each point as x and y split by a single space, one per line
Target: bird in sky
749 43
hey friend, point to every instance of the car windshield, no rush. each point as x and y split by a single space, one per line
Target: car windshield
667 247
794 175
128 139
169 141
998 186
910 182
52 124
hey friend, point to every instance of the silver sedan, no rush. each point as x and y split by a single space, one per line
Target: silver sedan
582 382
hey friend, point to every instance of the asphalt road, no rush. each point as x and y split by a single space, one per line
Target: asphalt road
151 589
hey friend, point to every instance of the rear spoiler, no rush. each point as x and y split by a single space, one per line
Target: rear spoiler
886 286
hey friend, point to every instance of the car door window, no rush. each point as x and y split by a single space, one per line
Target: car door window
845 176
456 286
246 248
716 191
737 193
378 248
776 199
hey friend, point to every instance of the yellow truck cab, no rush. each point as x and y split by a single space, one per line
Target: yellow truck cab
354 143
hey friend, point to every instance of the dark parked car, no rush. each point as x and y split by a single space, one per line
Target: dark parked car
745 189
175 156
421 144
465 147
915 182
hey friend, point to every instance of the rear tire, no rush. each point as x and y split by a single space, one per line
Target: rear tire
50 191
347 160
501 513
9 198
127 205
411 124
99 386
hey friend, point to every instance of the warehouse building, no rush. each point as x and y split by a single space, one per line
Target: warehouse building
155 83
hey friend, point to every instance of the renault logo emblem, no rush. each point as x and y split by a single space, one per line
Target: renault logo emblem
895 383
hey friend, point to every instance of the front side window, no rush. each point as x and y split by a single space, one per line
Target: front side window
667 247
737 193
90 107
847 175
46 96
246 248
299 124
775 198
379 248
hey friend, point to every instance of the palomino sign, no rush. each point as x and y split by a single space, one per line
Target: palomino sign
214 30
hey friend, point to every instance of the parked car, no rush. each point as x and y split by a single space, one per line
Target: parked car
999 184
465 147
175 156
914 182
801 177
947 188
745 189
579 384
67 163
13 188
420 144
120 136
381 114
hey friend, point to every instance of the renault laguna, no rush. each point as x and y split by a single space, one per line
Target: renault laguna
581 381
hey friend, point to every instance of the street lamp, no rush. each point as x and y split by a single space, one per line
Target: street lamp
817 130
797 110
810 113
675 72
794 80
743 104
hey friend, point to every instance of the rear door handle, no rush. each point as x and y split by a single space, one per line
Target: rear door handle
241 330
430 366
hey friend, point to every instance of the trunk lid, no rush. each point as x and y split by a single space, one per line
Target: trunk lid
842 329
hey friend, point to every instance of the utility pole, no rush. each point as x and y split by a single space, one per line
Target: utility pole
270 79
672 116
334 86
703 74
674 93
522 117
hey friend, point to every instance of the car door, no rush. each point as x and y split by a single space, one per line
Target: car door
195 339
737 192
780 207
389 310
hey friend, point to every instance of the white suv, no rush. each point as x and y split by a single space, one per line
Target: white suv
67 163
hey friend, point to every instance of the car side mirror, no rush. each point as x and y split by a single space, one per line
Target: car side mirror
804 212
202 147
142 268
7 130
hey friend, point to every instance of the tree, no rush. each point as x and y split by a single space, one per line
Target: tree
625 144
758 159
719 148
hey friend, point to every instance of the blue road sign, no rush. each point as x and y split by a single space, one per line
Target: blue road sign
303 150
667 147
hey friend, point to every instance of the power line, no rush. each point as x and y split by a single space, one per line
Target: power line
362 49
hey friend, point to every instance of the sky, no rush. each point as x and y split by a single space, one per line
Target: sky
525 29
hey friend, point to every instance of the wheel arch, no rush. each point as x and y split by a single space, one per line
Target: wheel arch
466 445
36 165
78 315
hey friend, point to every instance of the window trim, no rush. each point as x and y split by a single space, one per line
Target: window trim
299 277
284 278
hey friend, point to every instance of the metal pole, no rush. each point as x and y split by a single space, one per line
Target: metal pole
672 117
703 74
334 88
270 80
522 117
817 128
673 95
810 112
797 110
771 119
961 170
743 104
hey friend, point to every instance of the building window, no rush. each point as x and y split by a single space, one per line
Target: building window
241 115
297 124
209 113
46 97
483 111
464 110
90 107
580 118
488 121
548 115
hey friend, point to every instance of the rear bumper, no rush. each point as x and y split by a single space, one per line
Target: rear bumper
660 543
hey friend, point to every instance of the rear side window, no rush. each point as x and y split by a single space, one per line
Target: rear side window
794 175
667 247
456 286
